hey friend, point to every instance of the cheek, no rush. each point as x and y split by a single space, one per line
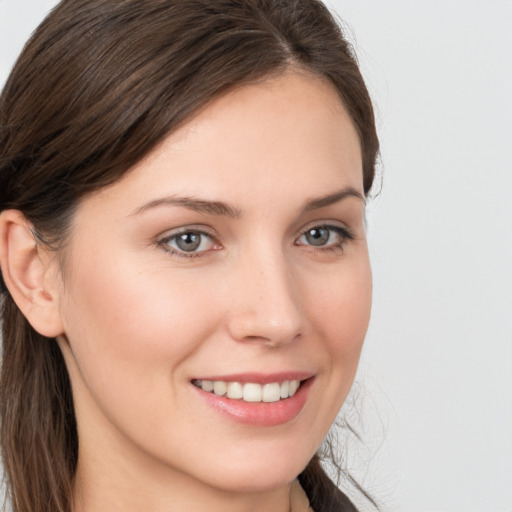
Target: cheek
342 313
129 329
339 307
343 309
130 332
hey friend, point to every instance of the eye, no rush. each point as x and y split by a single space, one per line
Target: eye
325 237
188 243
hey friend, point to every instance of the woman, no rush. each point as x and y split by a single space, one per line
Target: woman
187 285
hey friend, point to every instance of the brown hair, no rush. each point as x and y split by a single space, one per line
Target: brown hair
97 87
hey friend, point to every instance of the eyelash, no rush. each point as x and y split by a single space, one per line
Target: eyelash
344 234
164 243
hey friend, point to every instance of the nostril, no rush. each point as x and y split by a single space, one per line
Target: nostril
279 341
263 326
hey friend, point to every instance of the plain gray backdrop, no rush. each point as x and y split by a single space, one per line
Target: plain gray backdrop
436 372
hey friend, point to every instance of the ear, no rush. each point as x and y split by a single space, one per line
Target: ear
30 274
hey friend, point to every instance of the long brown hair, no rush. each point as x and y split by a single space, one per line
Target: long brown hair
97 87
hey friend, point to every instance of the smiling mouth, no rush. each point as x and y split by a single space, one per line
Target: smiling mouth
250 391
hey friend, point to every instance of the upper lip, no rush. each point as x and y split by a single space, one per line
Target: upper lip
259 378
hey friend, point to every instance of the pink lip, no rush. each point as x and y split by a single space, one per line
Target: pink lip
260 413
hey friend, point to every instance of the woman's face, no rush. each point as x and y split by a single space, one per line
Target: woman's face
234 253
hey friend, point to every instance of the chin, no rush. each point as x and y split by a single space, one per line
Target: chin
262 473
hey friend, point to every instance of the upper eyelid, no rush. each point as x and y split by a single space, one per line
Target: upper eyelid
333 227
171 233
331 223
210 232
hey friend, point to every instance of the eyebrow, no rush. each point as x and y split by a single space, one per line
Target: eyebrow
191 203
226 210
322 202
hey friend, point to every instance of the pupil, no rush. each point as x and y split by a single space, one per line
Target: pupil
318 236
188 241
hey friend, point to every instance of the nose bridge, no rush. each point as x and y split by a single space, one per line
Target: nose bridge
267 307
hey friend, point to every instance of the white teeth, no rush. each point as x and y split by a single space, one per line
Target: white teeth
294 385
207 385
235 390
250 391
271 392
219 388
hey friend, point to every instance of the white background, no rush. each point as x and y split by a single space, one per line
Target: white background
436 375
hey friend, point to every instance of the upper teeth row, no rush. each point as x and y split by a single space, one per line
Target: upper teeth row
251 391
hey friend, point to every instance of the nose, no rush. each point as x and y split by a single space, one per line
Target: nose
266 307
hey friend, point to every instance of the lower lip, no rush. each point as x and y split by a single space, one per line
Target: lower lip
261 414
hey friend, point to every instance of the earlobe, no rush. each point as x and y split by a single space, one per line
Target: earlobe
27 274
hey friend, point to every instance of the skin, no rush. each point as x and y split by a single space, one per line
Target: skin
136 321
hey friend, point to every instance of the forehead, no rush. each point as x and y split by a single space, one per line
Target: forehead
255 141
260 110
